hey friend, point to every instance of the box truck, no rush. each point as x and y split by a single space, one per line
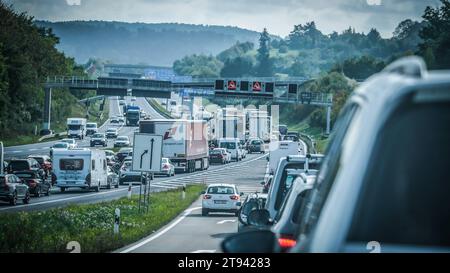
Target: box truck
184 141
259 125
80 168
279 149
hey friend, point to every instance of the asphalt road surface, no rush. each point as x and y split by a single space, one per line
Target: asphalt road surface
192 232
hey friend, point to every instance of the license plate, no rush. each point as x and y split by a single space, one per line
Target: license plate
220 202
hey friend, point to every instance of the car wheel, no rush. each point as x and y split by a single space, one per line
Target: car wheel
48 192
26 200
63 189
116 186
205 212
38 192
13 200
108 186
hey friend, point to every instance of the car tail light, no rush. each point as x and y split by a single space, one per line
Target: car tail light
234 197
165 166
286 242
206 196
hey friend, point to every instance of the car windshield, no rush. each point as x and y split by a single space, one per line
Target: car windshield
165 160
71 164
70 141
60 145
122 138
256 142
111 130
221 190
74 127
98 136
125 151
90 125
228 145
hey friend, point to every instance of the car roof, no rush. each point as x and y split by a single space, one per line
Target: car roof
222 184
46 156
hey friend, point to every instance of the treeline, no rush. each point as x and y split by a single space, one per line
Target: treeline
27 56
140 43
307 52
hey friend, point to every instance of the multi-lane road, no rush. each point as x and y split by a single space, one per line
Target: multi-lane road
190 231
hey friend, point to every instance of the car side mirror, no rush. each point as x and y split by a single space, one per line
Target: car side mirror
255 241
238 204
241 194
203 192
259 218
262 183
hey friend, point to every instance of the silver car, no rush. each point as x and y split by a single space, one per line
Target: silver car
13 189
167 168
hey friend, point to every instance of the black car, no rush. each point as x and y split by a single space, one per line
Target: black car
37 185
253 201
124 152
27 164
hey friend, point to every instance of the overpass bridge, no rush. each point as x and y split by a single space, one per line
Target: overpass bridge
277 90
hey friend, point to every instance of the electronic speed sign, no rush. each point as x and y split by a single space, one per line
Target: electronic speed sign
256 86
231 85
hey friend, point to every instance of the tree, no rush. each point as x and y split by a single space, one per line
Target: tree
237 67
436 36
264 67
359 68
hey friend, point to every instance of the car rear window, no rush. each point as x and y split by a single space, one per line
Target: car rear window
25 175
216 151
18 165
404 199
228 145
221 190
98 135
39 159
71 164
60 145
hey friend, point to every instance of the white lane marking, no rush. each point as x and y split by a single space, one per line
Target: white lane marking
158 234
66 199
161 186
33 149
226 221
205 251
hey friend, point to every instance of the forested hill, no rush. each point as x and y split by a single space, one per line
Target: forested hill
134 43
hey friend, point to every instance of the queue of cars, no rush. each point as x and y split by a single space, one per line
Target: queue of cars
373 187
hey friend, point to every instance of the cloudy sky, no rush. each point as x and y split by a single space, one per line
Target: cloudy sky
278 16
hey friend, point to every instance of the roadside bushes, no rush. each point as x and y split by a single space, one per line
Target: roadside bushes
92 224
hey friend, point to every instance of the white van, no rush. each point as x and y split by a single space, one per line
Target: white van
233 146
279 149
80 168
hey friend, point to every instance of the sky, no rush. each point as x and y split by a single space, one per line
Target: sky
278 16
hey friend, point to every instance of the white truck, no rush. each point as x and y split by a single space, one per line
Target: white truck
184 141
229 123
76 128
259 124
80 168
279 149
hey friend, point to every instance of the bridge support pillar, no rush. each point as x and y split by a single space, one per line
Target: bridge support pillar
47 108
328 120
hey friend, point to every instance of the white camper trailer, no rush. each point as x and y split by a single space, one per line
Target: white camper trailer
80 168
76 127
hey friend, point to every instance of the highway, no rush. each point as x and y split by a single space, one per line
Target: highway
192 232
208 231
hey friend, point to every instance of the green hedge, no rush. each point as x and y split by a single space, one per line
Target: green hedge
92 224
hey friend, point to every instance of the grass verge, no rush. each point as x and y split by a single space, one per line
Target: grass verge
92 224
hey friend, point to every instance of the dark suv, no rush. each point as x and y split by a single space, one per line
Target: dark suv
27 164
